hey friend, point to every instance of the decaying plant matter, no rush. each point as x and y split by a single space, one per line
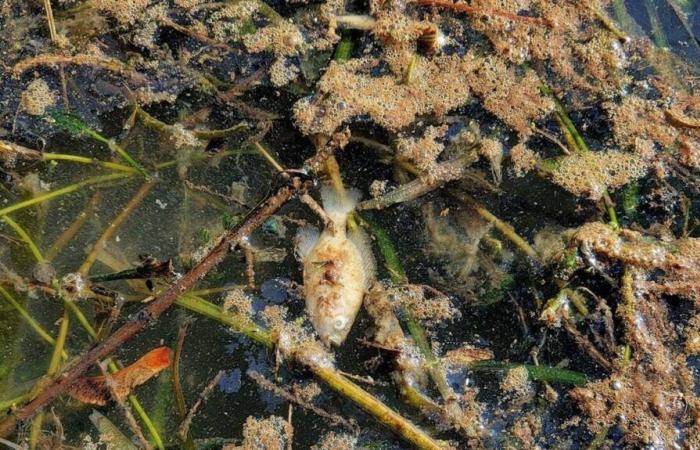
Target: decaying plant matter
526 177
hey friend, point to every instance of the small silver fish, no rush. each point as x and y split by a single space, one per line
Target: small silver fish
338 268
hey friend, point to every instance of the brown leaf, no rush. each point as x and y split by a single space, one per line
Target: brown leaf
95 391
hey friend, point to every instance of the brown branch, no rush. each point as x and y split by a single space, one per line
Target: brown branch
288 185
184 429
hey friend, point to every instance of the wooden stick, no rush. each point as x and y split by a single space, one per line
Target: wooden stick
289 184
184 429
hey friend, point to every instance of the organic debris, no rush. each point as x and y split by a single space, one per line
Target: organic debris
530 171
95 390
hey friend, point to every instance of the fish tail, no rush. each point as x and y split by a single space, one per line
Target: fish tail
337 205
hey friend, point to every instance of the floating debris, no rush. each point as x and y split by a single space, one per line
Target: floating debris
338 267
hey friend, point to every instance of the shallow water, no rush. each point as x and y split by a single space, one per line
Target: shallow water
173 220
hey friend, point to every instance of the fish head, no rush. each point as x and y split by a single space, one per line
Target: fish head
334 329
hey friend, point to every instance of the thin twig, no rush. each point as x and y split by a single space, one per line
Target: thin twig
587 346
268 157
50 20
292 184
552 138
316 209
184 428
249 255
195 34
280 392
290 429
47 59
128 416
175 373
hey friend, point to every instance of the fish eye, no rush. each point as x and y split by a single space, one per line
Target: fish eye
339 322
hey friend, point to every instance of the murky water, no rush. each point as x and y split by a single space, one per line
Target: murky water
191 203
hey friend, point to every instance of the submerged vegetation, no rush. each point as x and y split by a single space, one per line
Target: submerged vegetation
506 255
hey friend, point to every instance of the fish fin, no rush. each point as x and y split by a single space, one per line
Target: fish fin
337 206
305 240
362 241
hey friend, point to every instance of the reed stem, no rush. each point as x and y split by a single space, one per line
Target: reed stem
25 237
114 225
506 229
329 375
63 191
38 329
54 365
268 157
85 160
434 365
69 233
538 373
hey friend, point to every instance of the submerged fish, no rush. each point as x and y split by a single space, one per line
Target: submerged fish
95 391
338 268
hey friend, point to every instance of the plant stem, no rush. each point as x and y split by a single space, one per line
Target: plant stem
11 403
571 131
565 119
236 323
376 408
63 191
268 157
114 225
610 208
143 415
434 365
126 157
25 237
287 186
507 230
50 20
540 373
329 375
86 160
92 181
392 261
69 233
30 320
54 365
205 135
609 24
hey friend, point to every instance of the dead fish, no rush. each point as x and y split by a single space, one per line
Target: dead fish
95 391
338 268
